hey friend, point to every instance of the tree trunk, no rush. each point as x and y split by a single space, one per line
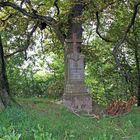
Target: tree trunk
138 74
75 26
5 98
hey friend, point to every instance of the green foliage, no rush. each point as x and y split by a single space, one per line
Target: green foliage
103 77
19 124
107 81
27 82
9 133
40 134
55 88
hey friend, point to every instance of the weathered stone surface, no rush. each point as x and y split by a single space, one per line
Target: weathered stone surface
75 67
75 88
76 97
78 103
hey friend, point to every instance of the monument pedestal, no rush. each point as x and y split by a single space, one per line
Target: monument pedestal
78 102
76 96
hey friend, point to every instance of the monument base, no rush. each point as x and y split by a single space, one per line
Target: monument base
78 102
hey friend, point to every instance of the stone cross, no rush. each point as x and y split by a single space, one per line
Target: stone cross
76 96
73 43
74 40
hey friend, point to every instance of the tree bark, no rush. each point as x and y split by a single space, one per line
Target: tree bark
5 98
138 74
75 26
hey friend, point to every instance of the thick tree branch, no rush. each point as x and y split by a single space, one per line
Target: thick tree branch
120 42
49 20
98 19
27 42
97 29
56 5
128 28
132 21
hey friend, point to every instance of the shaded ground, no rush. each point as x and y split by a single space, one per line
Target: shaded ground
52 117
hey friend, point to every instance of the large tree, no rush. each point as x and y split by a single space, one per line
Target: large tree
5 98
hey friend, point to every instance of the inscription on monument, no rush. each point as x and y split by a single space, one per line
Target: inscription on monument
76 68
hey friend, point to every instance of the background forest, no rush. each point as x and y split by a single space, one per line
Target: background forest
35 60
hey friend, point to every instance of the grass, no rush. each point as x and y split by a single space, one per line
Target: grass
43 119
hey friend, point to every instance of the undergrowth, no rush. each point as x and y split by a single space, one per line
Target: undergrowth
42 119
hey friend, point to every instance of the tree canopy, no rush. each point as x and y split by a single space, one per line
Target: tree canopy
110 39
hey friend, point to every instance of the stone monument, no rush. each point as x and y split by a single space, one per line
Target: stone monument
76 96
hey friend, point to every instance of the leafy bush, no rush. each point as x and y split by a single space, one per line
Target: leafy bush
55 88
9 133
27 82
40 134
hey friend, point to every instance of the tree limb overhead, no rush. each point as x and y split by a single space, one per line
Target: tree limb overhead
49 20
